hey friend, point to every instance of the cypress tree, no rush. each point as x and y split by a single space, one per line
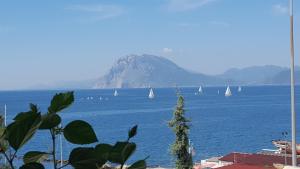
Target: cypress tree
180 148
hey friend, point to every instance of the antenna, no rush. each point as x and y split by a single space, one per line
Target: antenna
293 113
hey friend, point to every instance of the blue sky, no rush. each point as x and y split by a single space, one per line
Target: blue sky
43 42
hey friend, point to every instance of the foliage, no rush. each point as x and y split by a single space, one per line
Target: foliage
180 148
79 132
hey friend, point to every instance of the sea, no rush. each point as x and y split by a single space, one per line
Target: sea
245 122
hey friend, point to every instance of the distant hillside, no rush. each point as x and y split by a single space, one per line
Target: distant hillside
284 78
254 74
138 71
147 70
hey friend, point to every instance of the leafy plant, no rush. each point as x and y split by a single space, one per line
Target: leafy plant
79 132
180 126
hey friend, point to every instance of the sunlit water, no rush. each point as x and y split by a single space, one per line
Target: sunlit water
245 122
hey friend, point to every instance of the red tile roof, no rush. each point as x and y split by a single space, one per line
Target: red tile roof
243 166
256 159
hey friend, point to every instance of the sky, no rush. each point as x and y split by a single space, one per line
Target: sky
49 41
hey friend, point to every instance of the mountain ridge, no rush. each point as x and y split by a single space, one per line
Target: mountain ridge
140 71
143 71
135 71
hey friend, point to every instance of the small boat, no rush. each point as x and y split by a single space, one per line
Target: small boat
151 94
200 90
228 92
116 93
218 91
239 89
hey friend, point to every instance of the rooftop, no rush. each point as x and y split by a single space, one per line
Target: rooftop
257 159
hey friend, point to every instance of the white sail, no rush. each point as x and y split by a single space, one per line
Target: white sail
200 90
116 93
239 89
228 92
151 94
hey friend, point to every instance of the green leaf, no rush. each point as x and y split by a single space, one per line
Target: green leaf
32 166
50 121
121 152
61 101
141 164
4 145
103 151
2 131
24 115
35 156
132 132
83 158
22 129
80 132
33 108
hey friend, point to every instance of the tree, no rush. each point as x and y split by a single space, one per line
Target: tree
180 148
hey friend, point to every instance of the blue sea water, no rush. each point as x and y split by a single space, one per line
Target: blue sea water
245 122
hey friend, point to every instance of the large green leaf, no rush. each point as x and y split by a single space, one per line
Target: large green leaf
83 158
141 164
22 129
32 166
103 151
50 121
132 132
35 156
3 141
80 132
61 101
2 131
121 151
4 145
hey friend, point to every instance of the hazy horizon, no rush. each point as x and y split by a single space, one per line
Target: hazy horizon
55 41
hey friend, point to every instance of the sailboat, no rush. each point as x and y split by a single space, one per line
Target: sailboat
228 92
239 89
116 93
151 94
200 90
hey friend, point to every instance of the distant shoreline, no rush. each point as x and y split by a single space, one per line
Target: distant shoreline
208 86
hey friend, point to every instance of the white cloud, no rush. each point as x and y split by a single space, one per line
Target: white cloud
167 50
98 12
220 23
280 9
186 5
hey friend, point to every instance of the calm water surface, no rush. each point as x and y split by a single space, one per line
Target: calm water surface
245 122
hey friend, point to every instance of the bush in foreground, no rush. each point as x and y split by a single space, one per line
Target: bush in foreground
78 132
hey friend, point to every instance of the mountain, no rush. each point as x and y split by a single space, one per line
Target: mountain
135 71
284 77
254 75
